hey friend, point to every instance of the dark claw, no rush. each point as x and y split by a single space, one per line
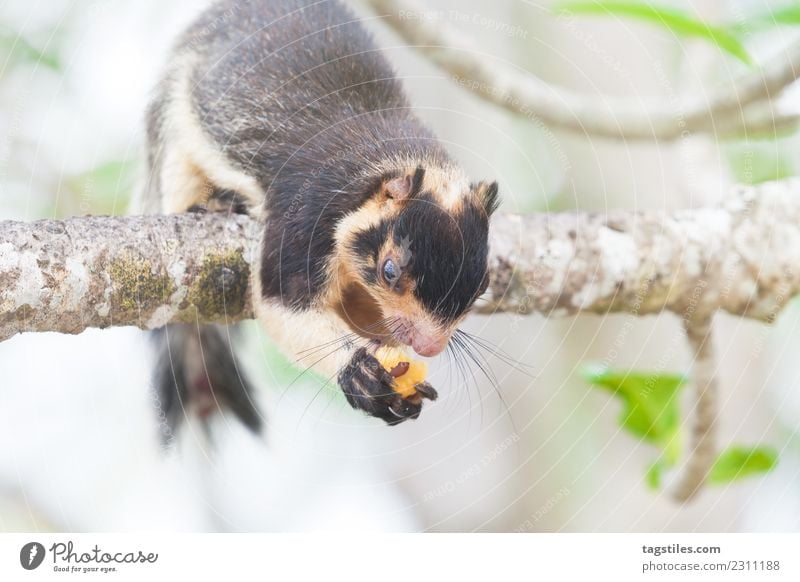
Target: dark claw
427 391
404 409
369 387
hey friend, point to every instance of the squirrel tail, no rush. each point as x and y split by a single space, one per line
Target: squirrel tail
197 374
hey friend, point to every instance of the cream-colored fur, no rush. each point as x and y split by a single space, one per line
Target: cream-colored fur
445 180
299 333
192 163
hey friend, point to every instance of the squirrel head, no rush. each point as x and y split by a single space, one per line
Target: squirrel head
413 259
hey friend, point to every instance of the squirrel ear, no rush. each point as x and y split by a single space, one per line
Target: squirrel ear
404 187
399 188
487 194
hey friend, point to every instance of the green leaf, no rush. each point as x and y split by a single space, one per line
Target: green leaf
679 22
739 462
650 405
16 49
109 176
651 412
757 162
788 15
277 371
105 189
654 473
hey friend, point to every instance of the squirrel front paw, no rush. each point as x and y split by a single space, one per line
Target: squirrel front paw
368 386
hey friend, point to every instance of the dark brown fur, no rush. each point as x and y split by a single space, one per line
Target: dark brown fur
295 95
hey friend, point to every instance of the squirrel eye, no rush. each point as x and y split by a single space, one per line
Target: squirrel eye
390 272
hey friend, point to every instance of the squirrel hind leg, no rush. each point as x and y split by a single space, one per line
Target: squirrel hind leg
222 200
197 375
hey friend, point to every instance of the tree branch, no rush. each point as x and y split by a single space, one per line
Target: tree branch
724 112
702 447
742 257
68 275
148 271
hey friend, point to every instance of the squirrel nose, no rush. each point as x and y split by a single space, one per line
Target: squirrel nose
428 346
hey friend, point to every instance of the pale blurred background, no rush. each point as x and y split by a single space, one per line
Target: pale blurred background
77 422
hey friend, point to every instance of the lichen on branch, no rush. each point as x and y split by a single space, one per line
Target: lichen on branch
147 271
68 275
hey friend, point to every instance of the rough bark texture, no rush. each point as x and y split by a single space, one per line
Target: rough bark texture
743 258
67 275
702 446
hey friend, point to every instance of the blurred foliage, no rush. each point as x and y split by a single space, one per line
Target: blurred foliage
739 462
276 367
278 371
16 50
651 412
681 23
757 162
655 472
788 14
105 189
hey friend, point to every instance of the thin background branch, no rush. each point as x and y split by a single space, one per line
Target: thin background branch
724 112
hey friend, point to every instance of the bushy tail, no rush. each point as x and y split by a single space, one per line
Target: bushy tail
197 375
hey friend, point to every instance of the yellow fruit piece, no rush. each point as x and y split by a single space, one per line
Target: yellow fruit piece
404 385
